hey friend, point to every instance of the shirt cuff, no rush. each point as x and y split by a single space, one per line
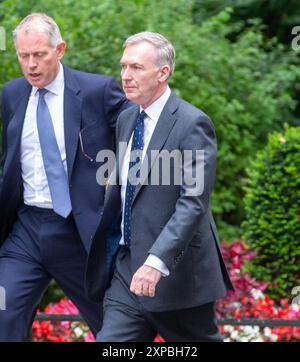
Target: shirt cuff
158 264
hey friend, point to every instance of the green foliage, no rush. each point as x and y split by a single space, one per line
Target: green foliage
246 86
278 16
53 294
272 202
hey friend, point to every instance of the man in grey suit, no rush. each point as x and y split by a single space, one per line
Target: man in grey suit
169 269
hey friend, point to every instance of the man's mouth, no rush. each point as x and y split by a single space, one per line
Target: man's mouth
34 75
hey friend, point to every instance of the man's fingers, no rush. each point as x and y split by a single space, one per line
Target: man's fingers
142 288
145 289
134 285
151 291
144 281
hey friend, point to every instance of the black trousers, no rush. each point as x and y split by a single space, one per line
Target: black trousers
125 319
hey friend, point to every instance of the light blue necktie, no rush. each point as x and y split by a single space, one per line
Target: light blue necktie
137 145
56 175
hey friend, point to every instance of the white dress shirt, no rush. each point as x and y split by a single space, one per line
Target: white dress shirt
153 113
36 189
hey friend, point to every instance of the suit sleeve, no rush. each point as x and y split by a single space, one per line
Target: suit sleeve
4 117
190 207
114 101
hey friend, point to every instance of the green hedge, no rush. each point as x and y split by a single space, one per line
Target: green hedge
272 203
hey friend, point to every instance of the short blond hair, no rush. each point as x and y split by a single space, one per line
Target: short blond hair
39 23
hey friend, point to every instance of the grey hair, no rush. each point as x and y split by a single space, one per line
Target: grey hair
39 23
165 50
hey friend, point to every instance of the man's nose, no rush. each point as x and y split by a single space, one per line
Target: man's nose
32 62
126 74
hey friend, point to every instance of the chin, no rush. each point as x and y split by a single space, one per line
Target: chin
131 97
34 83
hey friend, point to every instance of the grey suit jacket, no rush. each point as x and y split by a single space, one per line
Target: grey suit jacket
165 220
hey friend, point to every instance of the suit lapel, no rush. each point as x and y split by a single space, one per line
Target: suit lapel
124 137
72 117
112 200
113 192
161 132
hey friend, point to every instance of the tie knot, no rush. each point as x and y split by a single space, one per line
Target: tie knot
42 91
140 120
142 115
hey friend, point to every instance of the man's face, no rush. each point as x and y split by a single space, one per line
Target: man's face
38 59
143 81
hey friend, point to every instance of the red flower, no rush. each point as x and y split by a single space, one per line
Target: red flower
247 301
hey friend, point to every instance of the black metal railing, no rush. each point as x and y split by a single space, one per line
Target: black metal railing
221 321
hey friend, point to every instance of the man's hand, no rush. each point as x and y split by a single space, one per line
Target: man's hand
144 281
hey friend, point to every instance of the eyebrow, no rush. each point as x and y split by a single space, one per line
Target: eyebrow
35 52
134 63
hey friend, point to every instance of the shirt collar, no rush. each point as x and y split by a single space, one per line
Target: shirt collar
155 109
56 85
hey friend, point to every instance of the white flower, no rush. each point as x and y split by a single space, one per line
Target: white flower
244 339
249 330
273 337
296 307
257 294
256 329
267 332
228 328
78 331
258 339
234 334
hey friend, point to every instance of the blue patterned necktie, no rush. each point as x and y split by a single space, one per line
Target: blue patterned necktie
54 168
136 146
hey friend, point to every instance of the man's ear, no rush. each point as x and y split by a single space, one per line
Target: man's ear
60 49
164 73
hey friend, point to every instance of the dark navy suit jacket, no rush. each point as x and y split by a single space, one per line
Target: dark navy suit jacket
92 104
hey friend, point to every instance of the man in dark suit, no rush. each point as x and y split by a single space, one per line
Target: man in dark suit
169 269
55 120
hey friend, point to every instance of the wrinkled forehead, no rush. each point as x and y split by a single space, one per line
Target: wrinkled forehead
32 40
140 53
